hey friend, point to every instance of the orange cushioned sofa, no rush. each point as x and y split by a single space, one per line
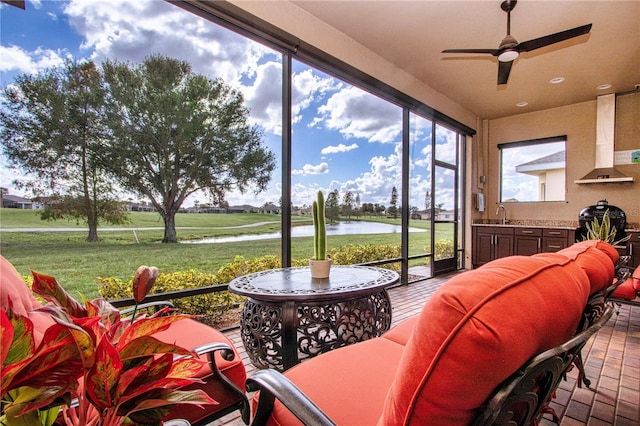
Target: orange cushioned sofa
441 366
224 375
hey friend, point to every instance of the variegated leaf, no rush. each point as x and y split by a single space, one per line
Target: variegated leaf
169 397
149 326
49 288
17 337
149 345
104 375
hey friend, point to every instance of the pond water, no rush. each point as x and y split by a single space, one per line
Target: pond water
341 228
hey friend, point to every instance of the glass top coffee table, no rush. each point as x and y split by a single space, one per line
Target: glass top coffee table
289 316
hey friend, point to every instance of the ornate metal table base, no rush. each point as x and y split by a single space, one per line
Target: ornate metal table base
314 327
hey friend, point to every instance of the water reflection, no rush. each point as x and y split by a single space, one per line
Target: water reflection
342 228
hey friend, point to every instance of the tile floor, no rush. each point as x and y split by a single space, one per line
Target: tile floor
612 361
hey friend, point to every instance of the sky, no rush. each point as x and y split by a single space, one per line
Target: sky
343 138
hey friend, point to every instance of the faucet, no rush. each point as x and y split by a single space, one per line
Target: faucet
504 213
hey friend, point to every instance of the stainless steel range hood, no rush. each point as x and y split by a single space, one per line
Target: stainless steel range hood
604 172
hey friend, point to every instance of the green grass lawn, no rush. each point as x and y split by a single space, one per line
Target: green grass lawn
76 263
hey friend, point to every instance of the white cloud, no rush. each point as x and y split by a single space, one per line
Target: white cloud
309 169
130 31
309 88
334 149
8 175
264 97
15 58
375 185
446 143
356 113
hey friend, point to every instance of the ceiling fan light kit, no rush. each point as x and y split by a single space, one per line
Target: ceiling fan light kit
509 48
508 55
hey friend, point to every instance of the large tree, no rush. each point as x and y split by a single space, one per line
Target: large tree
332 206
53 129
347 204
175 132
393 209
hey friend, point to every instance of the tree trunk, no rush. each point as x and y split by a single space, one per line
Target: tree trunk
169 228
92 221
92 237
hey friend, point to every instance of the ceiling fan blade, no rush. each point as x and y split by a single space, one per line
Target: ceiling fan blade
527 46
504 68
493 52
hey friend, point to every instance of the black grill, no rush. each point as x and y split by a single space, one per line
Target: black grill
617 218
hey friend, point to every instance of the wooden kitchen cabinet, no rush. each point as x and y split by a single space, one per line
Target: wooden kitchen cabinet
491 242
633 249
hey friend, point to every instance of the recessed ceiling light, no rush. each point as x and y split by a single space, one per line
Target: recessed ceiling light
556 80
603 86
522 104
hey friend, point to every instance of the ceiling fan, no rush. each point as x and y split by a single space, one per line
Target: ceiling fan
510 49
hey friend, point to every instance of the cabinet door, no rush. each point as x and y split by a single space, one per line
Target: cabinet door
484 248
527 241
554 239
526 246
633 246
503 246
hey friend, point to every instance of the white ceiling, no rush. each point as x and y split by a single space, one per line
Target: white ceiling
412 34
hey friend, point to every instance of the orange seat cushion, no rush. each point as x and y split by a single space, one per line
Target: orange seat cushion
625 290
401 332
477 330
349 384
597 259
630 288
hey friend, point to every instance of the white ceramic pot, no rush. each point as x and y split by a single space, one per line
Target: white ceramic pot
320 268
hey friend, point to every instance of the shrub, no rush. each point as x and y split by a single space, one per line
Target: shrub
210 304
443 249
214 305
353 254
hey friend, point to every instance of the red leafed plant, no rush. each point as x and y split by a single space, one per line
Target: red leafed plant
95 366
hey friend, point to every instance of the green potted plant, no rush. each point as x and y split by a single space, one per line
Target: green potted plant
320 266
92 367
603 231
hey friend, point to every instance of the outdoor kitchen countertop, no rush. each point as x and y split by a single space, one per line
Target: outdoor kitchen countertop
519 223
556 224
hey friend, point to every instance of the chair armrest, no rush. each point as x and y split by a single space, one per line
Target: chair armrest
272 384
228 354
210 348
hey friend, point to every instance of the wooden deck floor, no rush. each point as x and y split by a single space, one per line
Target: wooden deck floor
612 359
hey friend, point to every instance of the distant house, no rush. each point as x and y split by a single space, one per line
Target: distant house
550 171
421 215
446 215
136 207
270 208
17 202
212 209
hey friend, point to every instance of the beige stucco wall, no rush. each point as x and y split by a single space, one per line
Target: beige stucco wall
578 122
